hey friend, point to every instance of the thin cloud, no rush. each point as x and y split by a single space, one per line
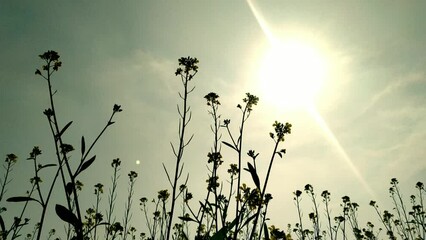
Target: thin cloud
394 87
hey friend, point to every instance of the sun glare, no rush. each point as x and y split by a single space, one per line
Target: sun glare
291 74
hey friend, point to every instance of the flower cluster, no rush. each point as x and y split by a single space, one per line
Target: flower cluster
11 158
132 176
52 61
212 99
250 100
280 130
189 64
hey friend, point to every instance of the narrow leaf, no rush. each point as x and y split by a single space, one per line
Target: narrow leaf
265 229
221 234
64 129
83 145
254 175
21 199
85 165
248 221
186 219
66 215
280 154
47 165
203 206
229 145
3 228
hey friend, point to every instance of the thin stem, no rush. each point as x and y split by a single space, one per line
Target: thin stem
184 122
5 181
128 205
259 208
326 201
57 138
112 196
299 213
239 150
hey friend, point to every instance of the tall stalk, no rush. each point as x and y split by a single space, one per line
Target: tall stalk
280 130
216 159
186 73
250 100
127 214
112 195
52 64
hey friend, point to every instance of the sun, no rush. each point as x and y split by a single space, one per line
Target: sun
291 74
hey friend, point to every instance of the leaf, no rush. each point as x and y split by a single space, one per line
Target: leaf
85 165
221 234
3 228
229 145
83 145
265 229
66 215
214 205
211 205
254 175
203 206
187 219
21 199
248 221
47 165
280 154
63 130
69 187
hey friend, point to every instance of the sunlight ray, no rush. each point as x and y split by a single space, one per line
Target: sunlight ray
312 109
261 21
344 156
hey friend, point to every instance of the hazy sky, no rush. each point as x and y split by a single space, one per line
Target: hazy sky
368 120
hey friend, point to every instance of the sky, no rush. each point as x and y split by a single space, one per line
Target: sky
362 126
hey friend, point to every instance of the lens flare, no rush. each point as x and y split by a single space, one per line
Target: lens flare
307 104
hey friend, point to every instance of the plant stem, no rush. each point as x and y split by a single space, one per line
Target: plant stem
178 168
259 208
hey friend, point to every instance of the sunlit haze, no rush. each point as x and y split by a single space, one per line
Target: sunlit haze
291 74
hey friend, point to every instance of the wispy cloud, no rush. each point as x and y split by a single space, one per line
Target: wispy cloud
394 87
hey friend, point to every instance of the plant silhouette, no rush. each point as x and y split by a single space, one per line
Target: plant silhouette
230 208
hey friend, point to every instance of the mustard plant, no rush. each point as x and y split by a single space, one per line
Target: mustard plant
112 197
403 222
68 174
187 71
211 217
400 223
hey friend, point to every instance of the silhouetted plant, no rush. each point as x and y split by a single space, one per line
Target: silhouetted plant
400 222
211 217
187 71
71 214
112 197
